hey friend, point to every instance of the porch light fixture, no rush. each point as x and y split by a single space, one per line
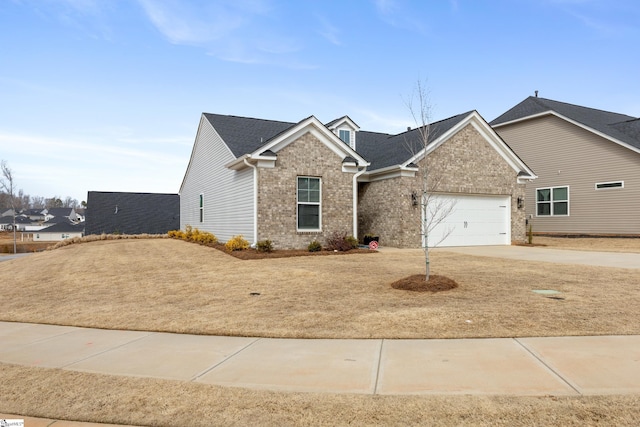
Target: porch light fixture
414 199
520 202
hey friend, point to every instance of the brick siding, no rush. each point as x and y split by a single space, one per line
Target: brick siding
465 164
277 199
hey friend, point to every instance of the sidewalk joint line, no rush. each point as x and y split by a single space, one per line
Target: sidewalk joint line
149 333
375 387
212 367
556 373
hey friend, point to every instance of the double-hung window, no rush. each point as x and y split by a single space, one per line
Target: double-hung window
345 136
309 205
552 201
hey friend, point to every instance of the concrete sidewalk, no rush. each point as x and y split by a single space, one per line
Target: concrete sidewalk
562 256
523 366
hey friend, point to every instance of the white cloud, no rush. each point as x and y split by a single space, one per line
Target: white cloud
235 31
329 31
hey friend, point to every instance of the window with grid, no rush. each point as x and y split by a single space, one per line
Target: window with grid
552 201
309 206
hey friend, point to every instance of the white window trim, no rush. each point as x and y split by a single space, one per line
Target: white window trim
609 188
345 130
309 230
552 201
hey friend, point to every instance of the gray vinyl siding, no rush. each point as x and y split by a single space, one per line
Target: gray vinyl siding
562 154
228 194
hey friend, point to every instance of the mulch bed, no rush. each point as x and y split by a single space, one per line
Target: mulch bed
416 283
249 254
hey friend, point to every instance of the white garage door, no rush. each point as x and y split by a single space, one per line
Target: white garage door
472 221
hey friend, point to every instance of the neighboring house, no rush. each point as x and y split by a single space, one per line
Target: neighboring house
131 213
293 183
6 212
588 163
59 231
22 222
35 215
6 222
68 214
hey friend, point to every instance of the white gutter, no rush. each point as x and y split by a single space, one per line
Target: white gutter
355 201
255 200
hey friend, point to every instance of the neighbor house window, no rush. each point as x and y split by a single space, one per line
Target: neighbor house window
553 201
605 185
202 208
309 203
345 136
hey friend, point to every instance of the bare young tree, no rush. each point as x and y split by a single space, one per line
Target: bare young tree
7 185
433 210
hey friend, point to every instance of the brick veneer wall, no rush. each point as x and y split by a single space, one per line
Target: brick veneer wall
466 164
277 200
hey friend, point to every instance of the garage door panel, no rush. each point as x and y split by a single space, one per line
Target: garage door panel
473 221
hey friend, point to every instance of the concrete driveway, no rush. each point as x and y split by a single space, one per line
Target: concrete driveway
560 256
7 257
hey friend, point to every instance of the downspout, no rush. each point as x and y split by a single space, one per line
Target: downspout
355 201
255 201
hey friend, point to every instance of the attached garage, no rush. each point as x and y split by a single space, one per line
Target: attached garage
472 220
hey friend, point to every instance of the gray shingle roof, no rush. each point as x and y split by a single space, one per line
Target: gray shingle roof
619 126
131 213
384 150
245 135
63 227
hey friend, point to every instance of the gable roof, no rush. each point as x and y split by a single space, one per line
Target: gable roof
247 137
131 213
63 212
619 127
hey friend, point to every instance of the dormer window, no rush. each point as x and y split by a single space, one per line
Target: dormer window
345 129
345 136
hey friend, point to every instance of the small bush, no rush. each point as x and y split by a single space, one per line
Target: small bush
341 242
236 243
194 235
264 246
314 246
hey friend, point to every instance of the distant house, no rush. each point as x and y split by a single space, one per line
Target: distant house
131 213
35 215
59 231
22 222
67 213
293 183
587 162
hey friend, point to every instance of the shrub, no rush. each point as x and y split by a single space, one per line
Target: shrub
236 243
314 246
264 246
194 235
341 242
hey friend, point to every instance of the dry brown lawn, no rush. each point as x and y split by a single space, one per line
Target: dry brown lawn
170 285
603 244
60 394
174 286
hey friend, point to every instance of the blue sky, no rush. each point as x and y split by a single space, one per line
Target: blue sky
106 95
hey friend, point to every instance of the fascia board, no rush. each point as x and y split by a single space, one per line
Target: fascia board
388 172
318 130
345 119
573 122
498 144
